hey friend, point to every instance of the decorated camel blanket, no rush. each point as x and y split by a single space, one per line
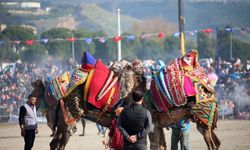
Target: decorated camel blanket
65 83
204 111
173 83
94 84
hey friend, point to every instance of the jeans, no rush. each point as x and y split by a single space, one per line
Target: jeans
182 136
29 139
101 129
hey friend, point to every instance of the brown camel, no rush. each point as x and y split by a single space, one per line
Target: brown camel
45 101
130 77
182 102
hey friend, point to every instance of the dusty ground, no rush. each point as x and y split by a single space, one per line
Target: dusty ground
235 135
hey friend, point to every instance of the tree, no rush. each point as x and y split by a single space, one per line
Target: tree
34 53
80 45
10 51
102 50
206 45
241 50
58 48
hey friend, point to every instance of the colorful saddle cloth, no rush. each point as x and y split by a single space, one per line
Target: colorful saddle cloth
204 111
58 86
97 79
65 83
175 79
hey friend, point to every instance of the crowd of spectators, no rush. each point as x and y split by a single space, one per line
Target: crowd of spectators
15 85
233 86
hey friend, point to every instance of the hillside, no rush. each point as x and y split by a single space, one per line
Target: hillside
98 15
198 14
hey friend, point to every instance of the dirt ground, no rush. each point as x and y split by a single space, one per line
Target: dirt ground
234 134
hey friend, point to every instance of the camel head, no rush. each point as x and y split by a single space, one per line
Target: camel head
39 88
131 76
190 60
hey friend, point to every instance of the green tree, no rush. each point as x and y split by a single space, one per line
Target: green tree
101 49
10 51
81 45
171 46
58 47
224 44
34 53
206 45
130 47
241 50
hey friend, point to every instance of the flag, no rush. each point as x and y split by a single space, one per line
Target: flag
161 35
29 42
102 40
209 30
229 29
44 40
130 38
71 39
88 40
117 38
16 42
177 34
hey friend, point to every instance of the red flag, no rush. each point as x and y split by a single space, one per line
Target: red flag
29 42
117 38
161 35
209 30
71 39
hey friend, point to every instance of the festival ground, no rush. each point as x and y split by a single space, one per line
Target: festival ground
234 134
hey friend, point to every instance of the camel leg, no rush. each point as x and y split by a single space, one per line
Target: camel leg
64 140
216 140
54 144
155 138
83 127
211 138
205 132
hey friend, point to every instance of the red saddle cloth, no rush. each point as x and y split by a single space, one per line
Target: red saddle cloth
99 77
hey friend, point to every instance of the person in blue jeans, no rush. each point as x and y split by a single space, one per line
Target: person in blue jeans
180 132
101 129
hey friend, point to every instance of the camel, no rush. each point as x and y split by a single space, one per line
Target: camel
177 92
123 77
45 101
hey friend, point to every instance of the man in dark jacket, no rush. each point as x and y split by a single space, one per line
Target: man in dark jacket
135 122
28 122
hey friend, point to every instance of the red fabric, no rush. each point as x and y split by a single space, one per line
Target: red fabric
161 35
117 38
99 77
209 30
29 42
87 67
159 98
116 137
72 39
